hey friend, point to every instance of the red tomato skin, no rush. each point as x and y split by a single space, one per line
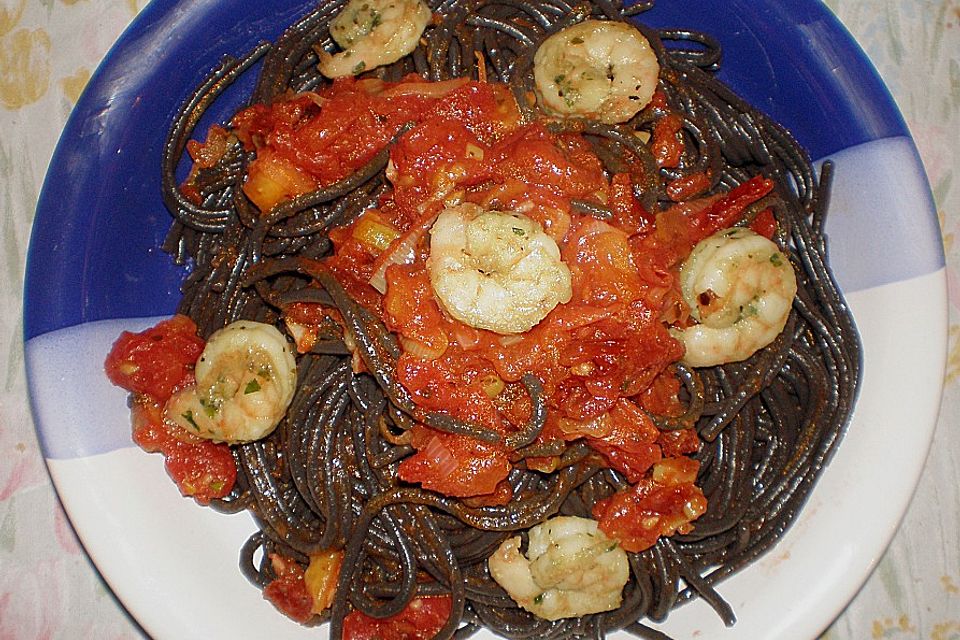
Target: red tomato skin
420 620
628 214
157 360
561 164
201 469
666 146
638 516
410 309
726 211
454 465
288 593
764 224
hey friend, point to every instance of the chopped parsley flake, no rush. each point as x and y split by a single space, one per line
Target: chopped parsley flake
360 66
776 260
209 408
518 231
252 387
188 416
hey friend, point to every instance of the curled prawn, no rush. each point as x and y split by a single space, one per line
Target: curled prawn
245 380
495 270
373 33
598 69
571 569
740 288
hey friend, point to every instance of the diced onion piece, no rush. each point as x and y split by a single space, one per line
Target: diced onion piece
272 179
303 336
321 577
425 89
492 385
475 152
437 451
594 427
420 349
373 233
402 251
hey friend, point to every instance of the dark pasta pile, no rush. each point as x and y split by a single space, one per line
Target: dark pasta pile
326 478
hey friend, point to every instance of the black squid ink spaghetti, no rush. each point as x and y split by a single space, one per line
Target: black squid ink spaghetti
500 314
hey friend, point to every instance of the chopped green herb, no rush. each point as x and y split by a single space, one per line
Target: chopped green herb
252 387
359 67
188 416
571 98
209 408
776 260
519 232
613 546
538 599
375 19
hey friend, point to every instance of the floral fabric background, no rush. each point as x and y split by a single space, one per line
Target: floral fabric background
48 587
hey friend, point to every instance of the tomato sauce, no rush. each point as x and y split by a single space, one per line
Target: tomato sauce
605 358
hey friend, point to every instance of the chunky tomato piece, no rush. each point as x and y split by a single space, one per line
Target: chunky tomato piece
764 224
438 385
678 442
563 164
156 360
667 146
411 310
201 469
454 465
630 445
662 505
688 186
288 591
488 110
660 398
628 214
420 620
727 211
601 264
431 161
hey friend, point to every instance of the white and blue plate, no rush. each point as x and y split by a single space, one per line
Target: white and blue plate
95 268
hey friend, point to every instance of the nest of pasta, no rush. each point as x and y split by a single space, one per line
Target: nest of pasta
488 275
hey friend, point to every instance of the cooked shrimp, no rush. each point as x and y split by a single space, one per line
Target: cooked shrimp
740 288
245 379
373 33
571 569
495 270
596 69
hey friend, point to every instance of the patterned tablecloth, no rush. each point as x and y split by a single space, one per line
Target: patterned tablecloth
49 588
